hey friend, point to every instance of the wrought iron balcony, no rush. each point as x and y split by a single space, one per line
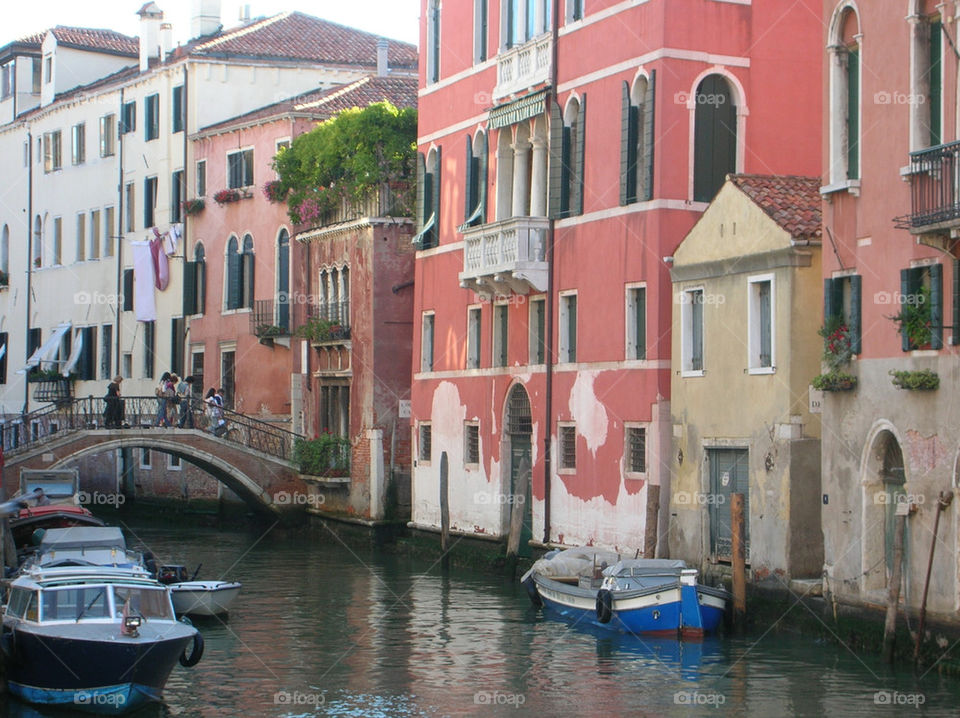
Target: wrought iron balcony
934 190
270 319
506 256
327 322
524 66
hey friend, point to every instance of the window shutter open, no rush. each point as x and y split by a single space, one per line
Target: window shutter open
580 156
853 114
905 286
647 128
470 184
247 274
955 339
627 147
856 301
128 290
480 153
641 326
936 306
189 288
421 190
434 235
233 279
555 202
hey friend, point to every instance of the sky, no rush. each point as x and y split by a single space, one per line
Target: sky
397 19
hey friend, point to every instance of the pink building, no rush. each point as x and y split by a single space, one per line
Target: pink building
563 161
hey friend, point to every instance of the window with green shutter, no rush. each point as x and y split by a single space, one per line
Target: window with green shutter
842 299
853 113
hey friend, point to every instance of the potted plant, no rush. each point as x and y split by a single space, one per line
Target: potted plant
192 206
316 330
226 195
837 353
268 330
36 262
274 191
326 455
915 318
922 380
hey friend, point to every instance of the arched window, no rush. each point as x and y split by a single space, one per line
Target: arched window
844 51
715 137
246 273
233 295
37 257
567 143
428 199
5 256
636 140
926 113
475 196
283 279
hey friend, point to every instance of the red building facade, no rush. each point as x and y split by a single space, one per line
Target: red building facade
563 159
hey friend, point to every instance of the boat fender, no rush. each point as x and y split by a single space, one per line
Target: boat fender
604 605
194 658
531 586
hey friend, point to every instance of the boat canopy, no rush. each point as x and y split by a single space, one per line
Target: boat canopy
83 537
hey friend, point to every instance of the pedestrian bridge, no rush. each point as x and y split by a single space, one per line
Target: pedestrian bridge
252 457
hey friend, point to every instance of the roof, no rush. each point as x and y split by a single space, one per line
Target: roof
792 202
323 104
298 36
100 40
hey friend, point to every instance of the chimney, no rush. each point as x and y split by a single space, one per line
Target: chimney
382 47
166 39
204 17
151 17
245 14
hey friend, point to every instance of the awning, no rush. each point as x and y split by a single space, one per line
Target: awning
522 109
74 355
47 349
427 226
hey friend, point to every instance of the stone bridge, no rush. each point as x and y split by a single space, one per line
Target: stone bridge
253 459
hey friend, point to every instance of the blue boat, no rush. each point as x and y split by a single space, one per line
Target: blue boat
637 596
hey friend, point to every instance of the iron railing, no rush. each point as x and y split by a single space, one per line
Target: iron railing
336 315
934 187
266 322
143 412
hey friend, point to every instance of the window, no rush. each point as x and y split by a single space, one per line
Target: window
194 283
87 364
35 75
246 273
526 19
52 159
178 333
481 17
37 244
844 125
471 444
691 327
500 335
335 408
151 117
197 367
425 446
5 255
201 178
760 324
635 449
4 341
842 299
130 199
715 137
568 328
106 351
78 144
234 275
637 141
128 290
144 458
47 70
568 446
934 82
538 354
176 103
283 280
433 41
920 286
129 116
149 202
475 192
428 200
126 368
176 196
109 224
282 145
173 462
58 240
7 81
426 343
636 322
81 237
574 10
473 337
240 169
567 148
94 245
108 135
149 348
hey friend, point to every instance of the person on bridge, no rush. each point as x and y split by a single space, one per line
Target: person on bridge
185 392
164 391
113 414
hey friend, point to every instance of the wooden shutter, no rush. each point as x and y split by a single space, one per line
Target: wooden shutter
640 326
579 158
246 270
905 287
555 196
233 277
189 288
572 328
480 154
201 281
856 322
936 82
421 190
645 191
627 147
936 306
128 290
566 171
853 114
434 234
470 182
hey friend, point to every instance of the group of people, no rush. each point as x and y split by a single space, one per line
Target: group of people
172 394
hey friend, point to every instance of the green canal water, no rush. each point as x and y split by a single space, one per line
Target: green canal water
321 629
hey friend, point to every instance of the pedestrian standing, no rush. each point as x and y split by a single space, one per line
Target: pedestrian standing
185 392
162 400
113 414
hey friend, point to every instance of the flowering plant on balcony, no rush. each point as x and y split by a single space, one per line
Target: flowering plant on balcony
837 353
275 192
316 330
192 206
36 261
326 455
915 318
226 195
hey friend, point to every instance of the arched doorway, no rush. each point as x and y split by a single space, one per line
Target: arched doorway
715 137
884 488
518 430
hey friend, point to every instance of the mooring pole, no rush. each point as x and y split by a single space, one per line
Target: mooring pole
517 508
739 551
943 501
893 592
444 504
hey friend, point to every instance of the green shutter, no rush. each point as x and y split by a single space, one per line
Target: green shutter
647 128
853 114
555 202
641 323
572 327
201 286
856 321
434 234
233 276
580 156
955 339
936 306
189 288
128 290
480 155
566 172
469 184
246 268
905 289
421 193
627 147
936 82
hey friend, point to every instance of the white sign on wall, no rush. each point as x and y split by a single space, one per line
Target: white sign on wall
404 409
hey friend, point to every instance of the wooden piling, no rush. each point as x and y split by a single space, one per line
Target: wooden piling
517 508
444 503
893 589
739 556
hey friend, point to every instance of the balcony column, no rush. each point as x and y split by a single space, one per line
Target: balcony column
521 179
504 179
342 306
538 182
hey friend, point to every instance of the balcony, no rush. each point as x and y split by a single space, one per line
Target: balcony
506 256
270 320
327 323
524 66
934 175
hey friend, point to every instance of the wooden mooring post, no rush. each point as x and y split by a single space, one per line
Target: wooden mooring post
444 504
893 588
517 505
739 560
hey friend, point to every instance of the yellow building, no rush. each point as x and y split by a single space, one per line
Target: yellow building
747 307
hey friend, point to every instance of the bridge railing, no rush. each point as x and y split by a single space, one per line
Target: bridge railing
141 412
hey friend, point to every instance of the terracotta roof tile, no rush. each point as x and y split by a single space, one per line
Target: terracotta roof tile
792 202
298 36
94 39
324 104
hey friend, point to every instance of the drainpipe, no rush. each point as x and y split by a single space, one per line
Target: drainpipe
187 367
120 234
26 384
548 399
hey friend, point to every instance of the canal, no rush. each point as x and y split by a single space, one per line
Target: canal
326 629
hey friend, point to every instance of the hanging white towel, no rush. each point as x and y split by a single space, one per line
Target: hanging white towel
172 239
144 301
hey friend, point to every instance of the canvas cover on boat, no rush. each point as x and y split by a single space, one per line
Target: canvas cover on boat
575 562
83 537
648 566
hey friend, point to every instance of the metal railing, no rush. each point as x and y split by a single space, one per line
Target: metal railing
934 187
265 321
337 315
143 412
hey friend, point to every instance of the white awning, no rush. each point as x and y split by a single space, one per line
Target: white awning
74 355
47 349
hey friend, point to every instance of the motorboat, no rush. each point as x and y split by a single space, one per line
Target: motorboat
87 627
638 596
198 598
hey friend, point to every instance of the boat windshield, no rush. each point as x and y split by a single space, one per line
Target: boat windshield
142 601
72 604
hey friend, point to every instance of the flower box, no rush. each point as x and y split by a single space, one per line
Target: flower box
227 195
193 206
923 380
835 381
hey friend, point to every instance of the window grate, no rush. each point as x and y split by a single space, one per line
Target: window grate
519 421
426 442
471 449
637 444
568 447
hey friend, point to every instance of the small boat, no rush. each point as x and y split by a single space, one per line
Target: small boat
639 596
87 627
198 598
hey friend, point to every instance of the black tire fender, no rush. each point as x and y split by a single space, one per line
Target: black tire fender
604 605
531 586
197 653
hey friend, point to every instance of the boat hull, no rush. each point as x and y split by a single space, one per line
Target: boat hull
203 598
